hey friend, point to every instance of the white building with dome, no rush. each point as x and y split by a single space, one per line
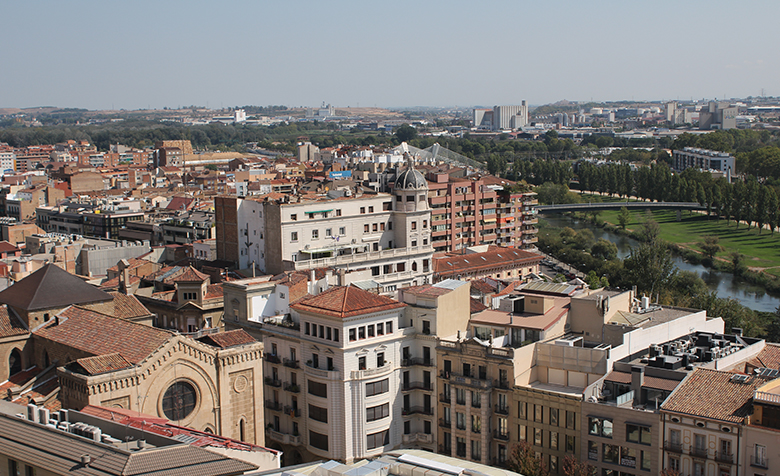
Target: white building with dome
379 237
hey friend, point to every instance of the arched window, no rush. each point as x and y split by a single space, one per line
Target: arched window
46 361
14 362
241 430
414 265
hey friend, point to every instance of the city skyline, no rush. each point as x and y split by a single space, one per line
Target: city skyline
144 55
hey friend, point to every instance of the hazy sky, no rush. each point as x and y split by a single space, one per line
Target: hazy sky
138 54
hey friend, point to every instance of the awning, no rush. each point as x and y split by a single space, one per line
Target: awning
321 211
489 220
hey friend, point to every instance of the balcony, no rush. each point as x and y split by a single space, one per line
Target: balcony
292 411
417 386
476 404
418 361
375 372
444 398
502 409
476 429
273 382
285 438
759 461
274 359
501 435
502 384
293 364
673 447
722 457
698 452
292 387
272 405
417 410
330 374
417 438
445 423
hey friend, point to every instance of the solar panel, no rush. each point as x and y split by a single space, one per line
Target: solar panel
739 378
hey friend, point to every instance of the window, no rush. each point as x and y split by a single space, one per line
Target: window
674 463
311 216
335 334
427 427
315 234
380 359
342 230
338 213
476 450
593 451
553 464
476 423
538 417
318 389
382 226
645 460
600 427
366 228
352 335
522 407
179 401
318 440
407 427
628 457
375 271
361 332
376 388
426 327
554 416
610 453
460 420
380 329
538 436
571 420
371 330
553 440
375 440
375 227
318 413
329 333
294 236
328 232
460 396
370 209
378 412
414 225
389 327
638 434
294 217
361 363
425 223
522 432
570 443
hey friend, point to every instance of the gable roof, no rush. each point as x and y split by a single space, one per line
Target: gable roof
51 287
103 363
346 301
712 394
98 334
10 325
228 339
191 275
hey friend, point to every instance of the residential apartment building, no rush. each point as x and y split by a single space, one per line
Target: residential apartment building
704 159
387 236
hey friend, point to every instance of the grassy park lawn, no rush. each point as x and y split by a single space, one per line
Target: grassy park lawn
762 251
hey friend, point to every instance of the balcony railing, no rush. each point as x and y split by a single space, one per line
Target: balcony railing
445 423
284 437
502 384
443 398
417 386
698 452
293 364
722 457
499 435
759 461
271 405
476 404
292 411
417 361
273 358
273 382
673 447
502 409
419 438
417 409
291 387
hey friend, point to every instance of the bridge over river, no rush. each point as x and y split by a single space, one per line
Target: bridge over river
586 207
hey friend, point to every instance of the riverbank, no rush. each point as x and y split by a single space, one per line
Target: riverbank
761 250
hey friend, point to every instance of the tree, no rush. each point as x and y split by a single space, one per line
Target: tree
710 246
669 472
650 228
573 467
624 217
523 460
738 263
650 267
603 249
405 133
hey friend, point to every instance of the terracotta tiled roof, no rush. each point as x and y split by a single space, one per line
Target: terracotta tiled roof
103 363
769 357
51 287
214 291
191 275
489 259
134 263
6 247
711 394
18 379
482 287
346 301
476 306
98 334
114 283
427 290
10 325
228 339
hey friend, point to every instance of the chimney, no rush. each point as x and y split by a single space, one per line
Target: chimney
312 282
637 379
